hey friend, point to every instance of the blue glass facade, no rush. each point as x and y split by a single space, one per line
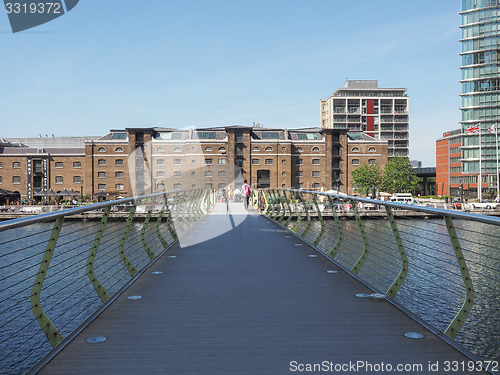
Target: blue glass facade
480 80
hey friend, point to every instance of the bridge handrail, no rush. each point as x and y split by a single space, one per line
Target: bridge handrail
372 245
105 255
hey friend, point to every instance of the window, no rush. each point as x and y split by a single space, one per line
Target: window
193 161
315 174
77 179
315 186
16 164
0 179
59 164
269 148
160 149
372 161
269 161
119 162
315 149
193 173
177 174
101 149
119 149
160 186
208 149
160 161
206 135
222 149
177 149
119 174
119 136
193 148
315 161
222 174
77 164
160 174
283 161
193 186
208 186
177 186
355 149
208 173
100 163
371 149
283 173
119 187
299 161
222 185
255 148
222 161
355 161
101 186
101 174
301 185
255 161
208 161
308 136
283 186
1 164
300 174
177 161
59 180
283 148
17 180
270 135
299 149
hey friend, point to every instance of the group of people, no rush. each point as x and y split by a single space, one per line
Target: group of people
243 194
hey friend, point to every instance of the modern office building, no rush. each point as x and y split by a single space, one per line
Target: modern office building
362 107
480 81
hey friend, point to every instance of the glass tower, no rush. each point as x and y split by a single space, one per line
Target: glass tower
480 40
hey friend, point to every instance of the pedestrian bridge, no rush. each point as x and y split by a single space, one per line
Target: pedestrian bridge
201 287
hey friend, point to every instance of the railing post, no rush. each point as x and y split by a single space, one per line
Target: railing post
148 250
265 194
322 231
99 288
121 247
356 268
171 228
457 322
297 210
394 288
287 222
281 207
304 203
335 249
43 320
164 243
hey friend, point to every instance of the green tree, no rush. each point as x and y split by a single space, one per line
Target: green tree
366 177
399 176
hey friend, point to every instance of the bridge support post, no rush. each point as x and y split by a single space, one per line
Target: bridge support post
335 249
121 247
148 250
394 288
304 203
322 231
357 267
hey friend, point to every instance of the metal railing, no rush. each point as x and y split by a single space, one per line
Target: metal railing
60 268
439 265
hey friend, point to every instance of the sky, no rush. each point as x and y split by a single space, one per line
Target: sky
113 64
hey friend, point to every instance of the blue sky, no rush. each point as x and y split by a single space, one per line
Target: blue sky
111 64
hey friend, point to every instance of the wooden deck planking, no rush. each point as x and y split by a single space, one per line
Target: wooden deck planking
247 301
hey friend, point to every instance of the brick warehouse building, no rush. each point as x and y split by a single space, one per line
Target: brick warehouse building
168 159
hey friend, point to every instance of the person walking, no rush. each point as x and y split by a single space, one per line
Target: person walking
246 194
226 199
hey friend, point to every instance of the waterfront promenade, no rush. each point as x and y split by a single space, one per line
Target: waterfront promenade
241 295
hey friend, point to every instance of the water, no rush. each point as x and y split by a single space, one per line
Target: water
433 288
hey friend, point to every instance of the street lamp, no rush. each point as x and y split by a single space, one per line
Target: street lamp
81 191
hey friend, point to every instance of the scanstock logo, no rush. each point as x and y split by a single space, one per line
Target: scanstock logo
26 14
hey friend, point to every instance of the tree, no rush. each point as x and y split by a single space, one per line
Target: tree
399 176
367 177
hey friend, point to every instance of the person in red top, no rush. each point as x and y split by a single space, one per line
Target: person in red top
245 191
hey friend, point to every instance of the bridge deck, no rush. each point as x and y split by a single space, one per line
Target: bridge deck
241 298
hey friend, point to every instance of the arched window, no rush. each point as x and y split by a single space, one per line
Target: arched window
208 149
315 149
371 149
177 149
101 149
160 149
269 148
255 148
119 149
355 149
222 149
299 149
